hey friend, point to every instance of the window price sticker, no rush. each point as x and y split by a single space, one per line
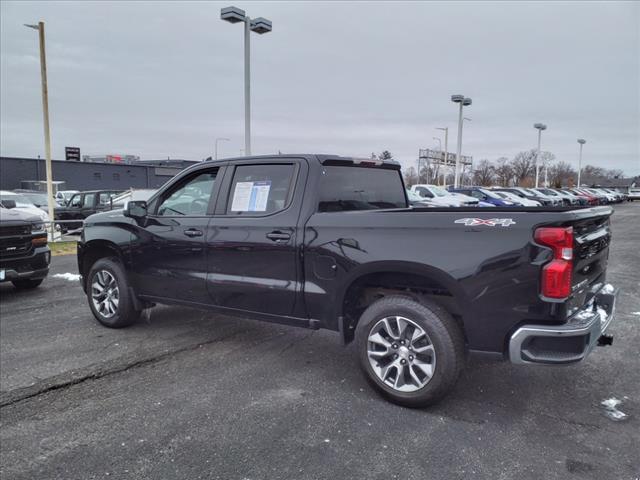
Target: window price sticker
251 196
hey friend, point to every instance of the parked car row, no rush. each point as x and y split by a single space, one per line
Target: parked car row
424 195
71 207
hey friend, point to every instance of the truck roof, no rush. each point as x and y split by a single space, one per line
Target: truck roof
323 158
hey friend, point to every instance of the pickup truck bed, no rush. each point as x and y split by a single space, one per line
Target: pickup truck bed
329 242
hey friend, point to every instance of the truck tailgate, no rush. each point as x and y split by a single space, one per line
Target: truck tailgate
592 236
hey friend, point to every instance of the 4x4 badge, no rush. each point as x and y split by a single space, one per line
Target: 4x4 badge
490 222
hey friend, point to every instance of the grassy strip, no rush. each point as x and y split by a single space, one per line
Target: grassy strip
63 248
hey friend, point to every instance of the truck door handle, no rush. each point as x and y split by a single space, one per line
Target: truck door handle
278 236
192 232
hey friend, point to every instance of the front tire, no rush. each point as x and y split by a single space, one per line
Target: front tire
109 295
410 352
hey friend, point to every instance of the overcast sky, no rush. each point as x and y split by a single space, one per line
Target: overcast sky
160 79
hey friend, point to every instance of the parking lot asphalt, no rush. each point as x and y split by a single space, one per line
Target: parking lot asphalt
189 394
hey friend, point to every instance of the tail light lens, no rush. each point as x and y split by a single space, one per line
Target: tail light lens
556 275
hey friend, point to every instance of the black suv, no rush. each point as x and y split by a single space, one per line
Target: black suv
24 254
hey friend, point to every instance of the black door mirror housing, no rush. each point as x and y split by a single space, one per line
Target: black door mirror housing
136 209
9 203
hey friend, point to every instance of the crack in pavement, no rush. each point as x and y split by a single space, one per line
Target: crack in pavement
96 371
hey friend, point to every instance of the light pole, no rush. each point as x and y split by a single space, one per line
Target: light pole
464 102
446 146
581 141
540 127
259 25
45 114
216 149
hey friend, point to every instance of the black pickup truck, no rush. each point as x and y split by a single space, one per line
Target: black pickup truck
81 205
330 242
24 253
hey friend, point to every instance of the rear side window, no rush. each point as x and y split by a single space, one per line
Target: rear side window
104 197
345 188
89 200
260 189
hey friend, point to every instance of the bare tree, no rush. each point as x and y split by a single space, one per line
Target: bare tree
503 172
385 155
484 173
410 176
524 167
562 174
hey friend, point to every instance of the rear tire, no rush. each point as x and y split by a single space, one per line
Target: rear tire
27 284
109 296
411 352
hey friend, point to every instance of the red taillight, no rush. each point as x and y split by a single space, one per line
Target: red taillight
556 276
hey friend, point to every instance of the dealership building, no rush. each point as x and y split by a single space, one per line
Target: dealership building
30 173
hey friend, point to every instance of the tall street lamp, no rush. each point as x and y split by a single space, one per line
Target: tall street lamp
581 141
259 25
220 139
540 127
45 114
464 102
446 145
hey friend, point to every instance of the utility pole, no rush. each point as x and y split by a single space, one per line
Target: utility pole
446 147
540 127
581 141
216 147
45 114
259 25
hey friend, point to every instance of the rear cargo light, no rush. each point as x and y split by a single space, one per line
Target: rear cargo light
556 275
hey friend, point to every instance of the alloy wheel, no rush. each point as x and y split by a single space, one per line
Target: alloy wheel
401 354
105 294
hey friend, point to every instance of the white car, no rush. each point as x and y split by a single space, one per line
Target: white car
633 194
525 202
440 196
63 196
24 204
124 198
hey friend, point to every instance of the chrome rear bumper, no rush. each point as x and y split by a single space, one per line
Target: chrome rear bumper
570 342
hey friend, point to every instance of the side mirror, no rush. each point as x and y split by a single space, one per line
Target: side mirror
135 209
9 203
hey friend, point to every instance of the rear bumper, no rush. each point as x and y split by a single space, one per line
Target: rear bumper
570 342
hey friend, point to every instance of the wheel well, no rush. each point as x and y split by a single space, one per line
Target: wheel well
93 253
371 287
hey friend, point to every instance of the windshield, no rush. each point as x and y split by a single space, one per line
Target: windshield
489 193
414 197
37 198
439 192
21 201
533 192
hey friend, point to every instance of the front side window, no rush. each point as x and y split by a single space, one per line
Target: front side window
190 197
260 189
75 201
424 192
345 188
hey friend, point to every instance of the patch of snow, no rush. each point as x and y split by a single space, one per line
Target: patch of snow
635 313
611 409
611 402
603 314
608 288
72 277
